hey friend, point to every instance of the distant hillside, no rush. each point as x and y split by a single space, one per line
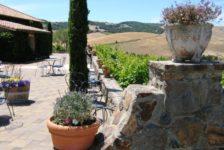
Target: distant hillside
153 44
59 25
129 26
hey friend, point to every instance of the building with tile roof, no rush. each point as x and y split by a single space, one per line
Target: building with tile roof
23 37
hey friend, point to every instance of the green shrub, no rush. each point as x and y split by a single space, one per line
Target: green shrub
14 46
60 36
126 68
6 35
73 109
222 80
213 58
210 58
6 45
59 47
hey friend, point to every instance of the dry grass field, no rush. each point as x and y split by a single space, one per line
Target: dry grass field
154 44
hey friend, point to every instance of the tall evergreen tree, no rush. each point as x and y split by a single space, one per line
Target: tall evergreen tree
49 28
77 40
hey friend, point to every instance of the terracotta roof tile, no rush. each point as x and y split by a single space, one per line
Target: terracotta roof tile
6 11
19 27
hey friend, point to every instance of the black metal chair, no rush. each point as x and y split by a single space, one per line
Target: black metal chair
96 85
98 104
79 83
3 96
3 100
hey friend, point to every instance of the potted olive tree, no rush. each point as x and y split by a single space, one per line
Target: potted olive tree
188 30
72 126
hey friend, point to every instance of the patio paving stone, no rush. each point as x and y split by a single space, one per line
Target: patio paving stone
33 133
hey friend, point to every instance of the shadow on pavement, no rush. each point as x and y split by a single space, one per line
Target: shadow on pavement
21 102
4 120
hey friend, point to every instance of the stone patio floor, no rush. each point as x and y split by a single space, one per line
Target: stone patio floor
28 131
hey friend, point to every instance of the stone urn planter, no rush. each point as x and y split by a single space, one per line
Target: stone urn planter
188 42
72 138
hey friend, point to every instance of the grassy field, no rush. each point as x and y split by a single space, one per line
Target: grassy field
154 44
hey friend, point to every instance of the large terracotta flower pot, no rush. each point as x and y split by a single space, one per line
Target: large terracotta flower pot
17 93
188 42
72 138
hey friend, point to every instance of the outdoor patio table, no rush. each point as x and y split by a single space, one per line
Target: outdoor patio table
51 62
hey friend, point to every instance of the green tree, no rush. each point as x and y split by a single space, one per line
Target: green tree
61 37
49 28
77 39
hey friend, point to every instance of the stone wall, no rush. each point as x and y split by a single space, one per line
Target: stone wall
182 108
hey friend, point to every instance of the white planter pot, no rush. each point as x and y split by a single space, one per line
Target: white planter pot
188 42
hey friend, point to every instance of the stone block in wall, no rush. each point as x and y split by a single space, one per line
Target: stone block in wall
187 87
111 90
146 109
181 109
145 102
150 138
215 115
215 135
188 131
140 104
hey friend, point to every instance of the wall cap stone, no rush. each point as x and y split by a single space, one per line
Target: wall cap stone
172 66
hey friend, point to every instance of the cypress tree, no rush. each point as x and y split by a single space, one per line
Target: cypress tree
77 41
49 28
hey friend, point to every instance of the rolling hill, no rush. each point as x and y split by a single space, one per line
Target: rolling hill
129 26
154 44
141 38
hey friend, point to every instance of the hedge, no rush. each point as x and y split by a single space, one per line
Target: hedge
14 46
126 68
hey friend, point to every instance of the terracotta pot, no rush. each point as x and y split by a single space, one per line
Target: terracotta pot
72 138
17 93
188 42
106 71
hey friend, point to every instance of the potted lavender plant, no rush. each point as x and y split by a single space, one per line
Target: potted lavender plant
72 125
188 30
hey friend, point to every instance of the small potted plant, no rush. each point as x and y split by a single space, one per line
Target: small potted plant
188 30
16 89
106 71
72 126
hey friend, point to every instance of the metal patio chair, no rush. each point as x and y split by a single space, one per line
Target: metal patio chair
60 66
43 67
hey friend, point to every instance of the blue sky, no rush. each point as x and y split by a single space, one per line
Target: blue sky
100 10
